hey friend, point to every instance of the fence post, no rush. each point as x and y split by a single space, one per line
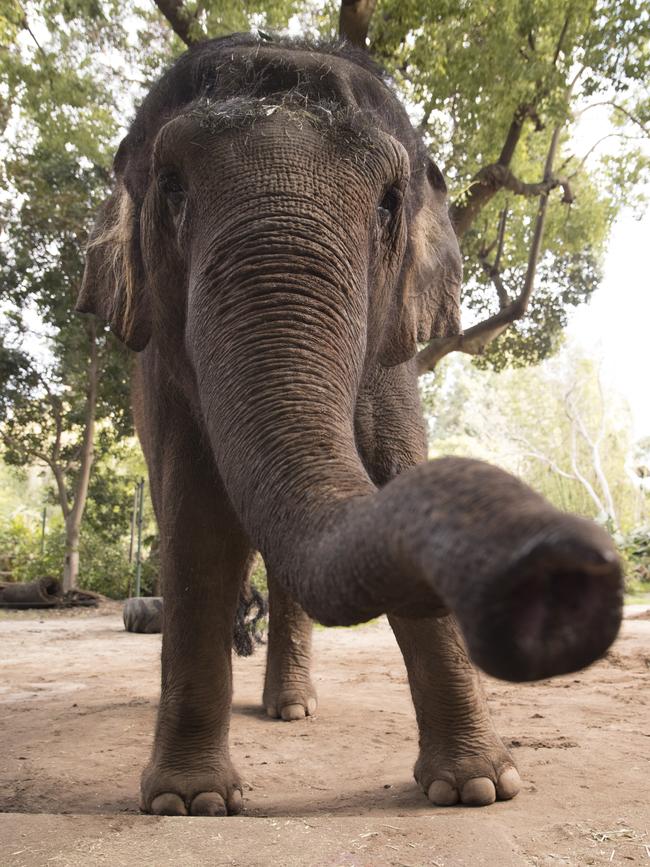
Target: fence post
134 512
43 522
138 560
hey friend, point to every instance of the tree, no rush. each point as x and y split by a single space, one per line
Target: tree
63 416
555 425
496 90
60 139
499 90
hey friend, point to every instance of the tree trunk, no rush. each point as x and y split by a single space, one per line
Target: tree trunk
71 561
73 518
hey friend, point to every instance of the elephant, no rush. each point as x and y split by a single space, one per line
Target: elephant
276 245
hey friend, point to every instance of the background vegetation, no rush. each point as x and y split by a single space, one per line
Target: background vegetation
499 92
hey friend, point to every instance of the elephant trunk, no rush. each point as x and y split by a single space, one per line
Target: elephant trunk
278 351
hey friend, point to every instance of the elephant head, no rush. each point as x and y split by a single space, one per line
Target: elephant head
277 231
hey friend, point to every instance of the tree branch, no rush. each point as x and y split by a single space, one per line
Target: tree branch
584 481
558 47
596 144
49 461
354 20
551 464
617 107
494 270
180 19
525 111
14 444
61 488
25 25
476 338
578 424
492 178
464 210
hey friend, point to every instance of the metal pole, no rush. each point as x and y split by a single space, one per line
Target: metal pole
134 512
43 522
138 561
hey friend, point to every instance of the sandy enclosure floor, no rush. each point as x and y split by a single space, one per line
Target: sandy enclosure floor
77 704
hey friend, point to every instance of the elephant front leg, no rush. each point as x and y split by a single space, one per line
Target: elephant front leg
462 758
288 690
190 771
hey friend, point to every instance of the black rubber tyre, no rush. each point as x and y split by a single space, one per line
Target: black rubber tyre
143 614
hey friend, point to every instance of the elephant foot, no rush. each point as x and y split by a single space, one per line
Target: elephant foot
215 791
290 701
475 771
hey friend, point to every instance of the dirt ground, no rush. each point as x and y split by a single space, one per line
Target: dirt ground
77 703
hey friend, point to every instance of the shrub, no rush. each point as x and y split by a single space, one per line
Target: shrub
636 556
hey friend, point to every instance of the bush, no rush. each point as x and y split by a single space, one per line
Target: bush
20 550
258 575
103 564
103 568
636 556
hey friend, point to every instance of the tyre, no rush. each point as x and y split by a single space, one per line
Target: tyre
143 614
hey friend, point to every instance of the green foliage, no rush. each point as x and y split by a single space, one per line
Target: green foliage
105 535
553 425
70 72
110 494
470 68
105 566
636 554
258 575
20 549
219 19
59 375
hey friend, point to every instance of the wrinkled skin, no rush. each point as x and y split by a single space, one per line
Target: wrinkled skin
276 245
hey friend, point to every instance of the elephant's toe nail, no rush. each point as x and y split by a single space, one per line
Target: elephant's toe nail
272 712
208 804
508 784
168 804
311 706
442 793
478 792
235 802
293 712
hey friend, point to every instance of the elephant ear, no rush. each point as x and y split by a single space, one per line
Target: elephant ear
427 301
113 282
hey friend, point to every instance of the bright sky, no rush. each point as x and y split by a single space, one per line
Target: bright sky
615 324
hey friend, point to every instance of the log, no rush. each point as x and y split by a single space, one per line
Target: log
83 598
43 593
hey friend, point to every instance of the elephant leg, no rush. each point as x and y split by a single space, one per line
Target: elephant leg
204 557
288 690
462 758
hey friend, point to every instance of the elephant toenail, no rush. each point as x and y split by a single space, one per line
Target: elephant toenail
478 792
508 784
208 804
442 793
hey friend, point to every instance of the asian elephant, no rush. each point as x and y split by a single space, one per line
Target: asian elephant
276 245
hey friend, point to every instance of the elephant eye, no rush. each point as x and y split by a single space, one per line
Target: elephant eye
389 205
171 187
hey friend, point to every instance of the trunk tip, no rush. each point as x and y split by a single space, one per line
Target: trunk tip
555 610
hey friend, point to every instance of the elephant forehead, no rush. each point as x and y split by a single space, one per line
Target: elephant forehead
286 149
